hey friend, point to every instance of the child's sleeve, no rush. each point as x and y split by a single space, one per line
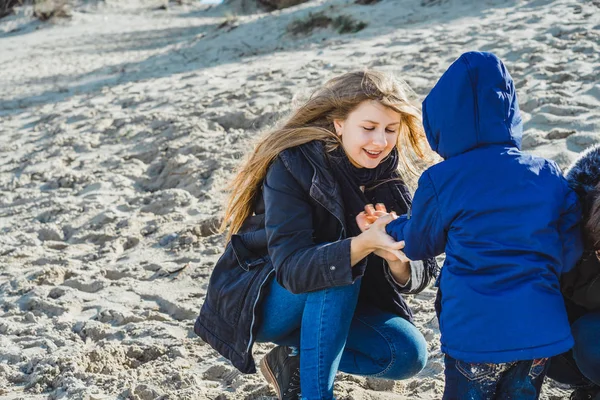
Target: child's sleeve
423 229
570 231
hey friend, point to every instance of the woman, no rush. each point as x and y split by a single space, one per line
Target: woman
581 288
335 302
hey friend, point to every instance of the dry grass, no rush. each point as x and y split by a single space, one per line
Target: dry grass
342 24
48 9
345 24
6 7
42 9
280 4
230 22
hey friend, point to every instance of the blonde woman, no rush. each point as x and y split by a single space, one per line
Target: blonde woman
297 270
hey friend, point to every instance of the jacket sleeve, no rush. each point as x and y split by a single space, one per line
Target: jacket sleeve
301 265
570 231
581 285
423 231
421 273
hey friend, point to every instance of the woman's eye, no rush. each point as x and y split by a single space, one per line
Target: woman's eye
390 130
368 129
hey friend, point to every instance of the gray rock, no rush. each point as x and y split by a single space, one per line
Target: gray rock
559 133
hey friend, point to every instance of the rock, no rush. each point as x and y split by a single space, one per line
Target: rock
559 133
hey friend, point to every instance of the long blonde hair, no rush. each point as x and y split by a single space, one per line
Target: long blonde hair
313 120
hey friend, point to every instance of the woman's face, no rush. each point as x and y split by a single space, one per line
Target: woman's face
369 133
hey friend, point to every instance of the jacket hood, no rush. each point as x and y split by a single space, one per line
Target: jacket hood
473 104
584 174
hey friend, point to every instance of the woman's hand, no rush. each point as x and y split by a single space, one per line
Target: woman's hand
364 221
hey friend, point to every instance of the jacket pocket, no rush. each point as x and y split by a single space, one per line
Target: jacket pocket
246 258
478 371
235 279
537 367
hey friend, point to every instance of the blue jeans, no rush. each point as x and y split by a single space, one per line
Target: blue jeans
581 365
334 334
519 380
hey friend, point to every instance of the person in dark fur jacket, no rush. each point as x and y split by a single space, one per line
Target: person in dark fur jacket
580 367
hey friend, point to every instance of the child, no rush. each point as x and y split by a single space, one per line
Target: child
509 225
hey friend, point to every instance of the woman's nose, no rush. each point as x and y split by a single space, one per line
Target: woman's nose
380 139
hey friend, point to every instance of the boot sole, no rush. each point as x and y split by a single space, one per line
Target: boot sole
269 376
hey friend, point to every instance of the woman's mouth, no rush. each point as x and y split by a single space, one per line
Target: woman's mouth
372 154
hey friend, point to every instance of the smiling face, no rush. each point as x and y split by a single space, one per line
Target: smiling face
369 133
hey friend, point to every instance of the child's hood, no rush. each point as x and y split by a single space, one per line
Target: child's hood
473 104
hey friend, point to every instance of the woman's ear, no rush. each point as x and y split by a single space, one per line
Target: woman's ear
338 124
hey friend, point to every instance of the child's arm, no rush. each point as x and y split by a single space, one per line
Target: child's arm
423 231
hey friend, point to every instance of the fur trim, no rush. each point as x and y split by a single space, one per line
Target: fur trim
584 174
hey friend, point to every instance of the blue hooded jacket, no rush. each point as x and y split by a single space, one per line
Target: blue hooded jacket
508 221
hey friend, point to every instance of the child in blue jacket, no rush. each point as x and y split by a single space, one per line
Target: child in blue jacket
509 225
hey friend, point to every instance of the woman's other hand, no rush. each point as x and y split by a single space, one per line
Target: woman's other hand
365 219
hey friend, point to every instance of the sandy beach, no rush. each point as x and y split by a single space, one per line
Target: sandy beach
121 126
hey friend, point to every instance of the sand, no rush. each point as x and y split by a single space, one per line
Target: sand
120 127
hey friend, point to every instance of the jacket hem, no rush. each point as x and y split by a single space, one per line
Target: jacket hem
505 356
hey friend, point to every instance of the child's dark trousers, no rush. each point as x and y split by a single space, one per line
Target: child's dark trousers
519 380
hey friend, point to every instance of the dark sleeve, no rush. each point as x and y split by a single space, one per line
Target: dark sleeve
581 285
569 229
424 231
301 265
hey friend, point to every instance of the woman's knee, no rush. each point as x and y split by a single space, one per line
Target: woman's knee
409 354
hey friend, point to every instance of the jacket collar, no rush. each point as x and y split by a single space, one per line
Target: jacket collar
323 187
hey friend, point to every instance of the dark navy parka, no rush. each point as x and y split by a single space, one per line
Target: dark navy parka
298 236
581 286
507 221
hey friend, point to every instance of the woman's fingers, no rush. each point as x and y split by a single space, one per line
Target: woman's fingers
397 245
380 207
384 220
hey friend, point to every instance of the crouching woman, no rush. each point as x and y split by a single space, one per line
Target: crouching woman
297 271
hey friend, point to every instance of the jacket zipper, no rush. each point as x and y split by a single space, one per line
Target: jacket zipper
254 310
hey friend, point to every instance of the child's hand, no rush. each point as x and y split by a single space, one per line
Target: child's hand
370 215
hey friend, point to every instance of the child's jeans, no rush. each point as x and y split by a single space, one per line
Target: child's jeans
519 380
